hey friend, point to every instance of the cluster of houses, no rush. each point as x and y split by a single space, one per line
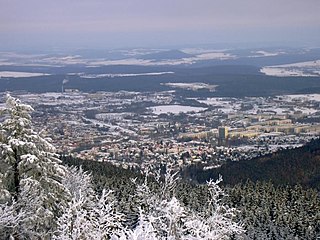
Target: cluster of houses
123 128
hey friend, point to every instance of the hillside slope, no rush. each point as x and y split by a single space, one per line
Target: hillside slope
286 167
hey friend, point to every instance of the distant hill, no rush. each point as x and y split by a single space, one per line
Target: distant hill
286 167
166 55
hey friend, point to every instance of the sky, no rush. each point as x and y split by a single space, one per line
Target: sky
28 24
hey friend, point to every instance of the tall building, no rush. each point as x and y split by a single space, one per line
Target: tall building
223 133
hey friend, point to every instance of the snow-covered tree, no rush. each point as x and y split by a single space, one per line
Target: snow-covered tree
143 231
75 222
88 214
106 218
167 218
77 181
31 173
9 218
217 221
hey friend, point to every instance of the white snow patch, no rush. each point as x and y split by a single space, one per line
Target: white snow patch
303 69
65 60
225 106
262 53
129 61
192 86
175 109
212 56
123 74
282 72
113 129
11 74
301 97
315 63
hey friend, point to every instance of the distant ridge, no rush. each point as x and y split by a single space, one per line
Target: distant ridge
166 55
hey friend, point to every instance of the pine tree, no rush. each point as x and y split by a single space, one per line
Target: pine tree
31 174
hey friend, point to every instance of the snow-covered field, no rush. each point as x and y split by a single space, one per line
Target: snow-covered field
123 74
113 129
192 86
112 116
212 56
224 105
262 53
128 61
302 69
302 97
9 74
175 109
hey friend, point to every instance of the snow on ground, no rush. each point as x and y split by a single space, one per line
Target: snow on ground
113 129
303 69
274 148
192 86
64 60
280 111
266 54
128 61
5 62
123 74
9 74
53 98
214 101
52 94
275 109
225 106
308 111
212 56
302 64
301 97
112 116
140 51
182 61
282 72
246 148
175 109
2 106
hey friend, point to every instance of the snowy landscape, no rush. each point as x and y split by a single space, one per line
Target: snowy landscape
159 120
167 132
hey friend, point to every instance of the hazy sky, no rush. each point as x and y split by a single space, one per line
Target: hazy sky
151 23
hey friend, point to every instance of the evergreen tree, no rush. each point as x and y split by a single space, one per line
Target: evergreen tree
31 175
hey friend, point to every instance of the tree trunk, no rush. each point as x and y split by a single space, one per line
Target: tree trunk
16 175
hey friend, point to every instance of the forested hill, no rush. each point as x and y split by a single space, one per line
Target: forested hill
266 211
285 167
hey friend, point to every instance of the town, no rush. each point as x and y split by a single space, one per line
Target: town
136 129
